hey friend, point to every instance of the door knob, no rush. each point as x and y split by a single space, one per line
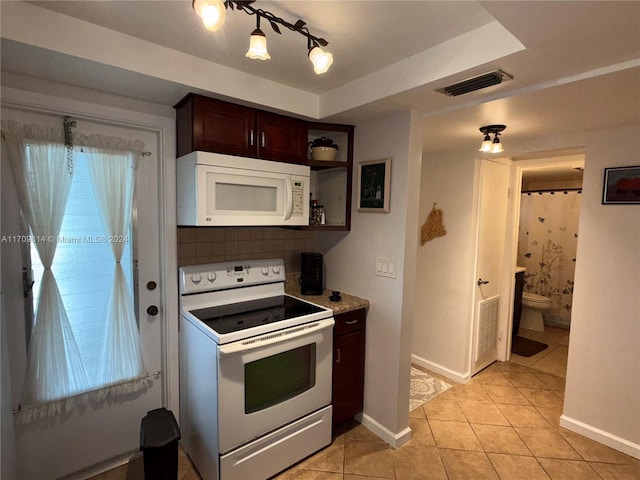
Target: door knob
152 310
482 282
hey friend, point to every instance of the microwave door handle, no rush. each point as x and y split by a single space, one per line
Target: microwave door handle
288 199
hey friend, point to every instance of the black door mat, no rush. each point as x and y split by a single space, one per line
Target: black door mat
525 347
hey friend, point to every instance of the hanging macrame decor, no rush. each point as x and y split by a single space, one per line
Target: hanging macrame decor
434 226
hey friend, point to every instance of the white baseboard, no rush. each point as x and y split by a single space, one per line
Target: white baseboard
104 466
606 438
440 370
394 439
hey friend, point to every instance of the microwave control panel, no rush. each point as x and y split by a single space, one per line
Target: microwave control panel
297 190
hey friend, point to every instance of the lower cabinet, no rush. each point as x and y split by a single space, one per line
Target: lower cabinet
348 364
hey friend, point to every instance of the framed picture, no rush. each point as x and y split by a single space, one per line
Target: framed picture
621 185
374 183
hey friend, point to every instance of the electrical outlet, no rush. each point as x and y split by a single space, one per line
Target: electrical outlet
386 267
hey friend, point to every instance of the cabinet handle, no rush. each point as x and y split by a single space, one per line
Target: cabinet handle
338 356
251 138
263 140
351 322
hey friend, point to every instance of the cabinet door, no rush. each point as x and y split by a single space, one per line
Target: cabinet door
348 375
280 138
223 127
348 365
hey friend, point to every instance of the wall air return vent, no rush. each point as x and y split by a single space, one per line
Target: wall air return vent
476 83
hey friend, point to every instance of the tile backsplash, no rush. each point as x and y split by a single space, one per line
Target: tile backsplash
197 245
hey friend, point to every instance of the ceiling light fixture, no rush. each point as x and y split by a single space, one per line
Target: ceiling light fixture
209 11
258 44
212 13
487 145
320 59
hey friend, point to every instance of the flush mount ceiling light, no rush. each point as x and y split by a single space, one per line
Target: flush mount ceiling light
494 146
212 13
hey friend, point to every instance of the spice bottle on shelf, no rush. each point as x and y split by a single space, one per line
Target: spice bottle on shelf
313 213
322 215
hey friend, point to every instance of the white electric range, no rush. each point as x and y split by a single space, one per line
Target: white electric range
255 370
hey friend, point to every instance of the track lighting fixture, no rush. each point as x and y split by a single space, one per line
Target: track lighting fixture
212 13
487 145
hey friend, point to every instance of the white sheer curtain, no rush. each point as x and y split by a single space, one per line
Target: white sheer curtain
113 177
55 378
42 174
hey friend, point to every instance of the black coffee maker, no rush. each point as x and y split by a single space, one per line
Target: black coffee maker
311 273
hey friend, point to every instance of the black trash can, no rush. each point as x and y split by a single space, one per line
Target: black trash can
159 435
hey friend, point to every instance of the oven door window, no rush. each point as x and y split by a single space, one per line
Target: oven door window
278 378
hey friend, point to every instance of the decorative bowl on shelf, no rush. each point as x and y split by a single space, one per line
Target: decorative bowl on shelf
323 149
325 154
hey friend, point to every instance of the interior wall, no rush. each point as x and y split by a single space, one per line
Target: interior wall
350 260
445 266
603 371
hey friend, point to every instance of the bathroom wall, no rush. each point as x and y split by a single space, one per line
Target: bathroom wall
198 245
547 242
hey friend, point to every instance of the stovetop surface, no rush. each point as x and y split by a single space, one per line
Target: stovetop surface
253 313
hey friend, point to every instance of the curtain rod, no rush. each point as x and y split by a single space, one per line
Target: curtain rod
553 190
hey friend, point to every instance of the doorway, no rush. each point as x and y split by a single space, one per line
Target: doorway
547 195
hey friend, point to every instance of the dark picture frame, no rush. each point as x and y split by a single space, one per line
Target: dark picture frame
374 184
621 186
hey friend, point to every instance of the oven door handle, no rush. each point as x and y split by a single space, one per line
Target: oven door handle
272 338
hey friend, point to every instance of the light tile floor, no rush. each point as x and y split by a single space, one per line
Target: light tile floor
553 359
502 425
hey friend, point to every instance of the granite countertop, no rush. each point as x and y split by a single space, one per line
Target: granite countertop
348 303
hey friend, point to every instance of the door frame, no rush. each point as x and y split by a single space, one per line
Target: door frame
532 162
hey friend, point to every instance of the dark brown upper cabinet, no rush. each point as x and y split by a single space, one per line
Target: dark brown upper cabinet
210 125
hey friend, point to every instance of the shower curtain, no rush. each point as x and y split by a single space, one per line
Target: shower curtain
547 242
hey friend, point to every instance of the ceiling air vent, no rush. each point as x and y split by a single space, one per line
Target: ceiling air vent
476 83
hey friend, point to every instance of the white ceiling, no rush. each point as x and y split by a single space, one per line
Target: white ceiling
576 64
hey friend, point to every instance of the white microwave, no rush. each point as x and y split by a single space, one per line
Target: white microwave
214 189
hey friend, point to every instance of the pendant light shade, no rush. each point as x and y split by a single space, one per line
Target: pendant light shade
258 46
496 146
320 59
212 13
486 144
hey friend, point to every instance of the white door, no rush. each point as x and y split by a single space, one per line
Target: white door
493 193
55 446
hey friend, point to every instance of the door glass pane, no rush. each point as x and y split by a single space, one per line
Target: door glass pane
246 198
84 266
278 378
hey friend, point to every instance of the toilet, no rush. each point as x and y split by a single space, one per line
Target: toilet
532 307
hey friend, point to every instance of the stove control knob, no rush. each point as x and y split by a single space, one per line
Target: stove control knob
196 278
276 270
265 270
211 276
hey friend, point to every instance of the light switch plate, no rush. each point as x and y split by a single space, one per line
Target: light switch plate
386 267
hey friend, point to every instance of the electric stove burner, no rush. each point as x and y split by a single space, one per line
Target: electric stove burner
239 316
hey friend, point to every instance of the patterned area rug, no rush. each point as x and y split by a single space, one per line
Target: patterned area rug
424 387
